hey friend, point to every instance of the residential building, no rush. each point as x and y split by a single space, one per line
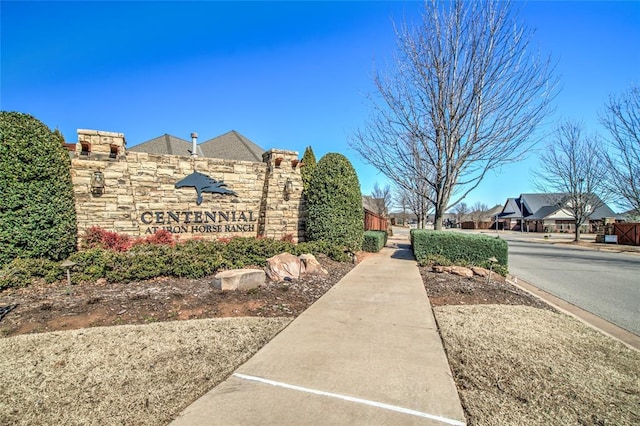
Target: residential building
550 213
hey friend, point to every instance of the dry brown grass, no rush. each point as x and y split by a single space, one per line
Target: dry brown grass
517 365
133 374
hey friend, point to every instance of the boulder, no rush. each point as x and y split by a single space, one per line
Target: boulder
461 271
311 265
284 266
239 279
481 272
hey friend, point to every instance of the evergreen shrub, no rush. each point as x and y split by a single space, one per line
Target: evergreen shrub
37 214
151 257
450 248
334 204
374 241
308 167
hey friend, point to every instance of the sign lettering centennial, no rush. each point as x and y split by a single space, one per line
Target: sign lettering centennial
201 222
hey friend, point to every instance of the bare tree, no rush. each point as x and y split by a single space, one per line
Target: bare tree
622 154
382 199
416 200
570 166
461 210
464 97
477 212
401 201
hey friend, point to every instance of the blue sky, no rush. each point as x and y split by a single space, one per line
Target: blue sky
284 74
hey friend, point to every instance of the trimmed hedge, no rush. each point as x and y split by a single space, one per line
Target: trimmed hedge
37 213
334 203
374 241
451 248
191 259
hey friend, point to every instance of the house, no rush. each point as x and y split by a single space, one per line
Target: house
229 146
482 219
549 213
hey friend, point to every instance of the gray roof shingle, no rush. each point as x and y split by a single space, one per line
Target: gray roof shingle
165 144
230 146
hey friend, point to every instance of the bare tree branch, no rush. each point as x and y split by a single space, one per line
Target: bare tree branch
622 152
463 98
570 166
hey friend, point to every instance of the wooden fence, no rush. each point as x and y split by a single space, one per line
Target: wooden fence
627 233
374 222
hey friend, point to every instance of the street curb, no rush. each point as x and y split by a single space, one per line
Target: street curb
625 337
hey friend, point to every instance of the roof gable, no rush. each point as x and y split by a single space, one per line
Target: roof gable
165 144
534 202
511 209
232 146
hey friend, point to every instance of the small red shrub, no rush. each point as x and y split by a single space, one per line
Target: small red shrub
98 237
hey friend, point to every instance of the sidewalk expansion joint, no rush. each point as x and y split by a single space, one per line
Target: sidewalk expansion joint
352 399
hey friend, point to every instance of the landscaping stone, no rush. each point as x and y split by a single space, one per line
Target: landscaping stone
239 279
481 272
311 265
461 271
284 266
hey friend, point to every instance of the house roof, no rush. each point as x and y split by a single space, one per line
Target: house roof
372 204
229 146
543 212
165 144
511 209
541 206
534 202
232 146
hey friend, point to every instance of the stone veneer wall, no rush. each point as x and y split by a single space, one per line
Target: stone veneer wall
140 197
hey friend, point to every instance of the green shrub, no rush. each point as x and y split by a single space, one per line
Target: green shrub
329 249
37 214
243 251
308 167
441 247
191 259
23 272
374 241
334 204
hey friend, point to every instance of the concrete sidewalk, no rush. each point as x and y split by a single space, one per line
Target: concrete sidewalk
367 353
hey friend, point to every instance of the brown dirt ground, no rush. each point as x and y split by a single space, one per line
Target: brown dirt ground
42 308
447 289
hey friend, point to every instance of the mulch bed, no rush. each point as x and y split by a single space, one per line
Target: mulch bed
42 308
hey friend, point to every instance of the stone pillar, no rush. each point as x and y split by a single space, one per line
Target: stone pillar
99 144
281 207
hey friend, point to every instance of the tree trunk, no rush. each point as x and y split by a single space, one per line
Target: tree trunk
437 222
577 233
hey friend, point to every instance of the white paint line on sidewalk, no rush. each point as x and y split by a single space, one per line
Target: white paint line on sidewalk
352 399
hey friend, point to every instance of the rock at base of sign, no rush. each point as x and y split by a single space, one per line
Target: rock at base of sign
239 279
283 267
311 265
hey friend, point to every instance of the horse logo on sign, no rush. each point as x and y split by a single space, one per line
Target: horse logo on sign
203 183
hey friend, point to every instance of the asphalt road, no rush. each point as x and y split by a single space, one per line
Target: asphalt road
604 283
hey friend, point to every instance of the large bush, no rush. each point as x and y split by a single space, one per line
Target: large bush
37 215
334 206
374 241
442 247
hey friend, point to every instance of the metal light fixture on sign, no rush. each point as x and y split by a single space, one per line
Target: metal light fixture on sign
97 183
288 189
